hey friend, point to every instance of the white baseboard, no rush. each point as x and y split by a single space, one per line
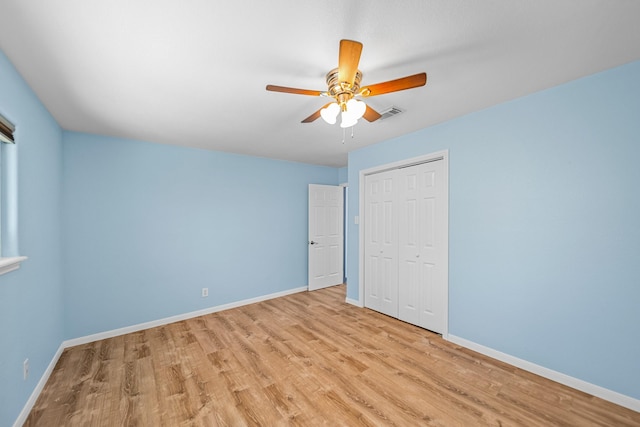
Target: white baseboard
355 302
595 390
39 387
160 322
135 328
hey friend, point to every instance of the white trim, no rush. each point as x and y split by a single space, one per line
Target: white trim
360 217
355 302
10 263
578 384
161 322
444 154
39 387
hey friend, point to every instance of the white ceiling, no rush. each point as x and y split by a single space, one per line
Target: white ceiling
194 72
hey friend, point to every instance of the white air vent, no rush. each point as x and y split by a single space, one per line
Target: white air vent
390 112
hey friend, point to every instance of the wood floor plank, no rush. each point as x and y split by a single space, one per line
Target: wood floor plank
306 359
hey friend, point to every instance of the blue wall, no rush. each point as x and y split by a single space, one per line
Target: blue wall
30 298
544 238
147 226
342 175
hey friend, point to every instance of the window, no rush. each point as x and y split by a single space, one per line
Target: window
9 258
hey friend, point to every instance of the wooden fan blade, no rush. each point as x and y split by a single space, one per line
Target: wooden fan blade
371 115
312 117
408 82
348 60
315 115
284 89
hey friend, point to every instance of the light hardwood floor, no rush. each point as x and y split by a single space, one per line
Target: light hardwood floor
305 359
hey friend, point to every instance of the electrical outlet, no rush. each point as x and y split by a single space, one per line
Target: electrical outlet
205 292
25 369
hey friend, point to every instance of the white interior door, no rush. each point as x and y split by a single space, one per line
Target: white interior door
422 251
381 244
326 236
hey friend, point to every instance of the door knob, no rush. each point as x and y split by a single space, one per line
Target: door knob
417 255
313 243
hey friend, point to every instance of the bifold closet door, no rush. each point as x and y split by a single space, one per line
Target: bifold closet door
422 263
381 243
405 252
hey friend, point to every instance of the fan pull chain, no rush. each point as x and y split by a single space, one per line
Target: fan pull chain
344 133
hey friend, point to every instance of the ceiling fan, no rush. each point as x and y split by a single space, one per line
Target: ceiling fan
344 86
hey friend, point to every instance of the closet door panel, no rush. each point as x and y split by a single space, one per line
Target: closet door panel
422 286
409 246
381 244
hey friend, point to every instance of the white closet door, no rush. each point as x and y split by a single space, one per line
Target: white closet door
381 243
422 250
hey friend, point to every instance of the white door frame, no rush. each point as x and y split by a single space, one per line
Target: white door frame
444 155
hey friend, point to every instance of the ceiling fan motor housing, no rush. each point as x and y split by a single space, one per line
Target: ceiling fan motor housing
342 91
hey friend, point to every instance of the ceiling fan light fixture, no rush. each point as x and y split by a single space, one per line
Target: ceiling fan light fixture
354 110
348 120
343 84
357 108
330 113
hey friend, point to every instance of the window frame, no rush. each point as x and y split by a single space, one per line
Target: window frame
8 199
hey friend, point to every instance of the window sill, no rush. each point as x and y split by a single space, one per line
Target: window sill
10 263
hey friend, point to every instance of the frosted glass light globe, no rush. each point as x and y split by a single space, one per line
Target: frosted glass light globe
330 113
